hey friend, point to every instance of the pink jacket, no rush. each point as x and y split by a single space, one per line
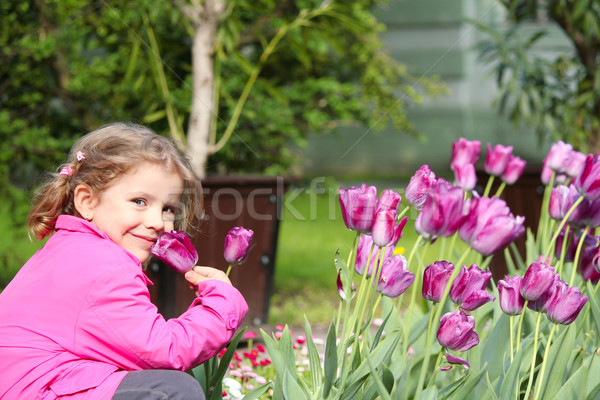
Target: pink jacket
77 317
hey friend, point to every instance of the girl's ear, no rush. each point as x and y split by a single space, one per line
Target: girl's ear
84 200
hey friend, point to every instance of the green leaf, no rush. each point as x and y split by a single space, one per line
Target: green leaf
330 361
490 391
510 384
382 389
291 388
496 346
316 371
594 304
257 392
468 387
219 373
595 393
558 358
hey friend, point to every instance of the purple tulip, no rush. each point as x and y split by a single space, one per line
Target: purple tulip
587 266
419 185
468 289
358 207
176 250
455 360
511 301
465 152
588 182
538 279
591 216
237 244
365 243
514 170
559 156
576 164
546 174
444 210
394 278
435 279
456 331
497 159
541 303
562 199
465 176
385 231
389 200
565 304
490 226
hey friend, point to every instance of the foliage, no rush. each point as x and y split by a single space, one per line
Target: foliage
69 66
399 357
556 91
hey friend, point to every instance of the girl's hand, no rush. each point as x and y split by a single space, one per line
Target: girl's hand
199 274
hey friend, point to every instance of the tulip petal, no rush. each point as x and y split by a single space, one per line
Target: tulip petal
457 360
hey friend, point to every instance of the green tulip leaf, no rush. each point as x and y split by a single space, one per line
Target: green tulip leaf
510 383
558 359
496 346
383 389
316 372
594 394
491 392
255 393
277 357
594 304
219 373
291 388
467 389
331 364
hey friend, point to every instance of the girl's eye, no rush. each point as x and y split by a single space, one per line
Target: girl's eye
139 202
169 213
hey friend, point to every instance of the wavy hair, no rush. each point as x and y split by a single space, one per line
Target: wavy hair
110 152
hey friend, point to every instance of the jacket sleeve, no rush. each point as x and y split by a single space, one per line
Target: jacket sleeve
119 324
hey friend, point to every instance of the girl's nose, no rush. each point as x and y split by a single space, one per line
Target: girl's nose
154 220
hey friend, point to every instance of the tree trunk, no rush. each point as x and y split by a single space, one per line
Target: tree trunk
205 19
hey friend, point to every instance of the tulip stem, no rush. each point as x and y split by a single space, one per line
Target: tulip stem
437 367
533 356
521 325
538 386
413 292
511 324
402 213
542 224
488 187
500 189
577 253
550 245
563 249
228 270
438 312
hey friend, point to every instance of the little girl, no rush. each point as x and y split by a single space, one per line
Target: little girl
76 322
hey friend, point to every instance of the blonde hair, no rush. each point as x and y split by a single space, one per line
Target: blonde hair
110 152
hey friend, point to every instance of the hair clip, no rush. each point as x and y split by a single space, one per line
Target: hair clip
80 156
66 170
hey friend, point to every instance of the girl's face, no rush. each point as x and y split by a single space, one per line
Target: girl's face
138 207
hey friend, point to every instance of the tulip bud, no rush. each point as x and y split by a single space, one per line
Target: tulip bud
490 226
456 331
394 278
588 182
365 243
418 187
586 265
559 156
176 250
358 207
435 279
237 244
389 200
576 163
465 176
468 289
514 170
444 210
511 301
465 152
538 278
566 303
497 159
383 229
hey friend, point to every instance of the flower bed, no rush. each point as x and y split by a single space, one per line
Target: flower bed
447 331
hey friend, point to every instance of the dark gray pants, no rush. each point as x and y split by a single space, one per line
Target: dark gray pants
159 384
